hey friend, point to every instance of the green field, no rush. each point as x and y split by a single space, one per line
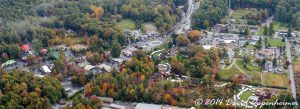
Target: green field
275 42
260 32
251 70
244 96
240 13
127 24
278 26
228 73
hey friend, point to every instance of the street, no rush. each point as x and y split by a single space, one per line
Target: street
288 51
185 22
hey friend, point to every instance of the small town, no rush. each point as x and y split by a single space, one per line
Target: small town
149 54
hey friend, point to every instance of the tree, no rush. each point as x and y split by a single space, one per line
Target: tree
290 31
274 62
266 29
181 40
115 49
98 11
194 35
206 24
247 31
271 29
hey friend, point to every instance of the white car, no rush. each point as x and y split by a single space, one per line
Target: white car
68 89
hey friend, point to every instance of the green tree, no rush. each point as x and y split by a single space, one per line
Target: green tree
115 49
266 29
247 31
271 29
206 24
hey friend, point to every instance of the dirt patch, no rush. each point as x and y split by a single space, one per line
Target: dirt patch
150 27
79 47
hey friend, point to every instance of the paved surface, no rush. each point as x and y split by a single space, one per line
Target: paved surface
185 22
288 51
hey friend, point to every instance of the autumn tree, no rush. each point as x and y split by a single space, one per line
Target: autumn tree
97 11
181 40
194 35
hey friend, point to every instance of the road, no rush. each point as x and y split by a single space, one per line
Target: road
288 52
186 22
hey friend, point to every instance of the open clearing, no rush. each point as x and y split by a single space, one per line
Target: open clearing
242 12
272 79
149 27
127 24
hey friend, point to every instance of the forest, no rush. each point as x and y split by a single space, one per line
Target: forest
49 22
20 90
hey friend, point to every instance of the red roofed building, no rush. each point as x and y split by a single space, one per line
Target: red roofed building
44 51
25 47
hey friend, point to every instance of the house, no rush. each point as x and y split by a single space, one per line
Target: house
127 53
43 51
25 47
105 67
45 69
88 67
117 60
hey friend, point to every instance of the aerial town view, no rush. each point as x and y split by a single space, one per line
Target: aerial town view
149 54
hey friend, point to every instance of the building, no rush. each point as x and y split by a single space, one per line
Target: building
227 38
25 47
127 53
105 67
45 69
117 60
88 67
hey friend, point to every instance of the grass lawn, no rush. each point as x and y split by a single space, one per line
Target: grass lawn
228 73
244 96
275 42
126 24
251 70
280 26
277 27
260 32
273 79
240 13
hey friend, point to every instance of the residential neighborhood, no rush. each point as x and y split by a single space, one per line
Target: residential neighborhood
149 54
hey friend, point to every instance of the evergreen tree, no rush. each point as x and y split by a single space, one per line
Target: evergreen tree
115 49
